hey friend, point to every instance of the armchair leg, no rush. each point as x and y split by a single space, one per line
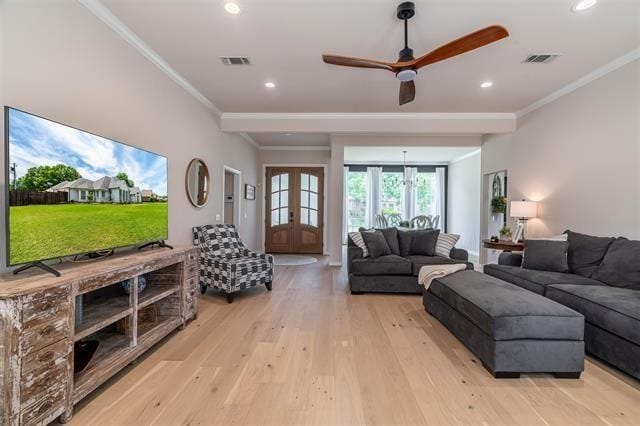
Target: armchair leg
269 285
203 289
230 297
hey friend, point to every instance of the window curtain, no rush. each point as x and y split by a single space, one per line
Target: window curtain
410 194
345 205
374 206
440 196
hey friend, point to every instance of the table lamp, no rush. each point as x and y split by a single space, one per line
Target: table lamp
523 210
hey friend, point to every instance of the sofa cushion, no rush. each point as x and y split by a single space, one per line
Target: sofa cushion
391 236
545 255
404 242
356 238
586 252
505 311
376 243
383 265
424 242
621 265
533 280
616 310
418 262
446 243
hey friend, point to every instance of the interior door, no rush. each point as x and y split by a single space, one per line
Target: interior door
294 219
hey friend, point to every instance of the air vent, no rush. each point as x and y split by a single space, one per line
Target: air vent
235 60
541 58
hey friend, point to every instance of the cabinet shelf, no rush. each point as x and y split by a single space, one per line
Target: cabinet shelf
100 314
153 294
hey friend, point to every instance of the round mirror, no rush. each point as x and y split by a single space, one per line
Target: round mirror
197 182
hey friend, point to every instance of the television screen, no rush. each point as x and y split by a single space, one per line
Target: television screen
72 192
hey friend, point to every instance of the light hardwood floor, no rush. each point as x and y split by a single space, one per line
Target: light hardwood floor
309 352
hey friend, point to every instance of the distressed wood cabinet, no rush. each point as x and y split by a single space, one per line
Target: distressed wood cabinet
42 317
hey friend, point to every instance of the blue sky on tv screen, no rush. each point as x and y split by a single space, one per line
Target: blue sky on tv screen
35 141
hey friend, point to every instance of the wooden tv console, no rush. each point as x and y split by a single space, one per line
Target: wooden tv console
42 316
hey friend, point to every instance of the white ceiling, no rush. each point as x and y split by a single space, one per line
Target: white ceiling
415 155
285 39
291 139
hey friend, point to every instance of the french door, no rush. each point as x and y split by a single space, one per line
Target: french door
294 221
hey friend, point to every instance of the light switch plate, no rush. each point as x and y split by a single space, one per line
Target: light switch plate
218 217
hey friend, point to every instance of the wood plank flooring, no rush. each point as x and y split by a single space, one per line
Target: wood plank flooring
310 353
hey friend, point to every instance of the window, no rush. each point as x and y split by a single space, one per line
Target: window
83 195
356 200
279 199
426 194
309 200
391 193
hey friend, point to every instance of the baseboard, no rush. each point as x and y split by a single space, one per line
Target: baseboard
335 263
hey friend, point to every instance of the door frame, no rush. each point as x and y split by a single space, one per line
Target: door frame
237 195
324 204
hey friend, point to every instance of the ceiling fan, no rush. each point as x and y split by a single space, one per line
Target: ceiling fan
406 68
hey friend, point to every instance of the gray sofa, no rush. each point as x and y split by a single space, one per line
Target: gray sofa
602 283
393 273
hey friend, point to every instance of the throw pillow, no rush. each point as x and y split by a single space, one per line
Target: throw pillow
391 236
356 237
586 252
404 242
424 242
376 244
621 265
546 255
445 243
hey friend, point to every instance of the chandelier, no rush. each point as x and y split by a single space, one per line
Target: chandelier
405 179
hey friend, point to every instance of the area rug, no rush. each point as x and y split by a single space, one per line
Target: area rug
293 260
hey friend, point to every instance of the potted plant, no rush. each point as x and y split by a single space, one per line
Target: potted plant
505 233
499 205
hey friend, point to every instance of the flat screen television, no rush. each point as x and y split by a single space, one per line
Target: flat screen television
70 192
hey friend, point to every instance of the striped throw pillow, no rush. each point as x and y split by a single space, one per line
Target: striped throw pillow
445 243
356 237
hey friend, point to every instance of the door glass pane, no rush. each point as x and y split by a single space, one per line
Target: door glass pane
304 216
357 190
313 218
284 198
305 181
284 181
275 183
313 201
426 194
275 218
304 198
313 184
283 216
275 200
391 193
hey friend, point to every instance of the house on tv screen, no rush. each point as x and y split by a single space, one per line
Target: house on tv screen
107 189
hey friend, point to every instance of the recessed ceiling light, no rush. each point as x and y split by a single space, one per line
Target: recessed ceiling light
288 134
583 5
232 8
270 84
486 84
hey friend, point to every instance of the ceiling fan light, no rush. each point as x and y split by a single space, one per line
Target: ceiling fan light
583 5
406 75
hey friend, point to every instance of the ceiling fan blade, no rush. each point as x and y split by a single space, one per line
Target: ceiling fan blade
407 92
348 61
462 45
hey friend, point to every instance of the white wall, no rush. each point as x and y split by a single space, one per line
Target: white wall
579 156
59 61
464 200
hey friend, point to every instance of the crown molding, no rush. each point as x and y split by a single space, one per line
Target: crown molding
584 80
367 115
105 15
249 139
465 156
294 148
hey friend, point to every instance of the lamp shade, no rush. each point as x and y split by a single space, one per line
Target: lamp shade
524 209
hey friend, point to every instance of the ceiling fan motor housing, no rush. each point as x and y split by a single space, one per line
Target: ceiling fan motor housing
406 10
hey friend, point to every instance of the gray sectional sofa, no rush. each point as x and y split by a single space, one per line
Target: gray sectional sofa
602 283
396 272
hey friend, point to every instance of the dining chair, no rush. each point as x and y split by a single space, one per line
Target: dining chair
380 221
394 219
435 221
420 222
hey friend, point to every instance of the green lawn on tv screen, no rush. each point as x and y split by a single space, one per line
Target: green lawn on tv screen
46 231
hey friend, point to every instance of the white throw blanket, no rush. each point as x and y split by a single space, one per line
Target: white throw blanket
429 273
